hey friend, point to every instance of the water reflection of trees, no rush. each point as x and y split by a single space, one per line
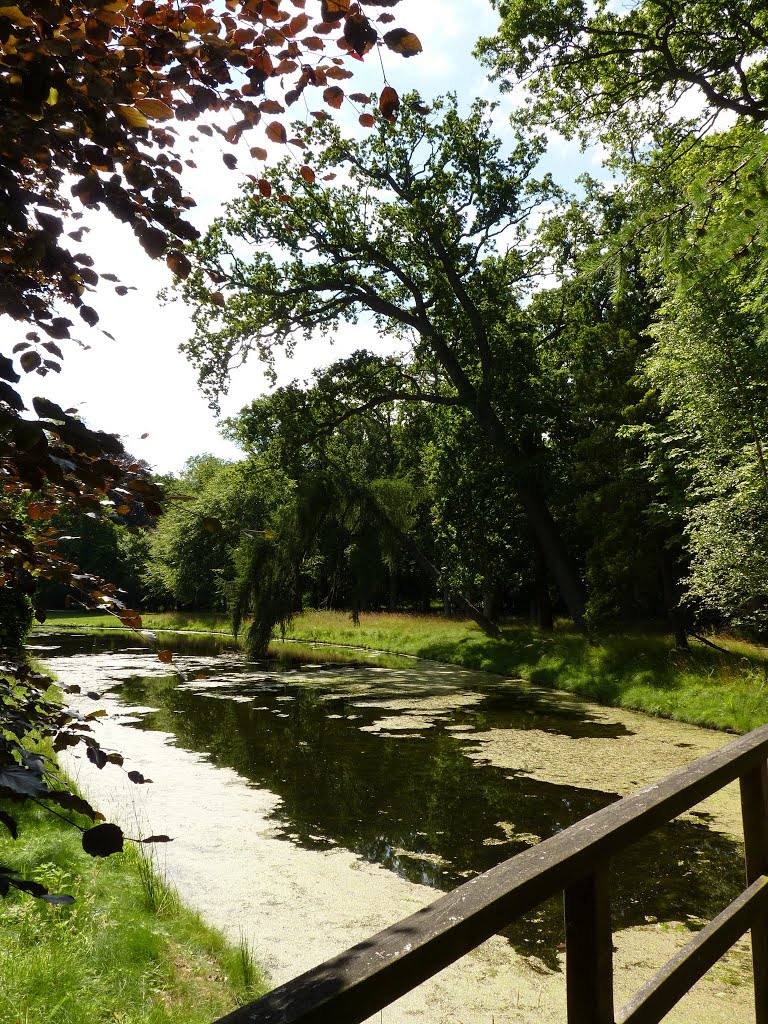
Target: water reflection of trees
420 807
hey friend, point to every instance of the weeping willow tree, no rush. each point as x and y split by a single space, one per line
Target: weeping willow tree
375 519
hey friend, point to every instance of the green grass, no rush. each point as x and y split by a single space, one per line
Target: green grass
638 670
120 954
198 622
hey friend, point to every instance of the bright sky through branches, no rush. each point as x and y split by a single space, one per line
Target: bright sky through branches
139 383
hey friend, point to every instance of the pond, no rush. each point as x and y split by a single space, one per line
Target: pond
407 775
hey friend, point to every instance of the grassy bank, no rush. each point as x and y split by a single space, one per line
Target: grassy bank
637 670
127 952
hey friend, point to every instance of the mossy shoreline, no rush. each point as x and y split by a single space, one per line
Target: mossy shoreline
638 670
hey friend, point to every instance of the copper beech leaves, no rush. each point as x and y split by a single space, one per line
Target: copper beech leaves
334 96
156 109
360 33
103 840
334 10
389 103
403 42
178 263
276 132
128 73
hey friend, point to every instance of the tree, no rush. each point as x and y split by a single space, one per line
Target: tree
210 508
708 367
623 72
411 237
654 82
349 515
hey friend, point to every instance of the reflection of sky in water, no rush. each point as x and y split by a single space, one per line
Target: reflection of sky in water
375 761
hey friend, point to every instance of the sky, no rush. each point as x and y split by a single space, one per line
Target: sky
139 383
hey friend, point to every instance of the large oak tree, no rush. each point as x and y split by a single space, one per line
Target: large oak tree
424 226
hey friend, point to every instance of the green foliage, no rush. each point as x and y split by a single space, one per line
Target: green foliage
652 81
708 366
622 71
410 240
15 617
190 555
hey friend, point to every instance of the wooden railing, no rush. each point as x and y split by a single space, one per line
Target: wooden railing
364 979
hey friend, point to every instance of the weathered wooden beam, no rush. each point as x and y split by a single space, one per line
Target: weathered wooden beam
659 995
589 950
362 980
754 811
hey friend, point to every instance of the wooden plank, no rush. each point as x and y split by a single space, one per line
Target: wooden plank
659 995
362 980
754 809
589 950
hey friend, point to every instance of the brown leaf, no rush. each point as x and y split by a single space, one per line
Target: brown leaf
333 96
265 188
307 174
366 120
130 619
389 103
90 315
276 132
297 24
103 840
165 656
155 109
178 263
153 241
333 10
402 41
258 153
360 33
30 361
132 116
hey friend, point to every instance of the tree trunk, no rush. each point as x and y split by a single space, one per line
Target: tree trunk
672 599
542 603
553 551
541 523
489 604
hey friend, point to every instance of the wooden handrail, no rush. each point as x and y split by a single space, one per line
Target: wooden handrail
352 986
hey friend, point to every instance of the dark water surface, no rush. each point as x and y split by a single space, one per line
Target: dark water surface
402 793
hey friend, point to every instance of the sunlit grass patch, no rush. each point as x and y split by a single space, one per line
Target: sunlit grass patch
109 956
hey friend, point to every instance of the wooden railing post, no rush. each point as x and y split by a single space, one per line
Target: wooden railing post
589 950
754 809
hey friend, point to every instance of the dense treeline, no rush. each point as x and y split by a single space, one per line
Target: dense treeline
573 417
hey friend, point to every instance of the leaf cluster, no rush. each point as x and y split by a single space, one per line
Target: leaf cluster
32 721
624 72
